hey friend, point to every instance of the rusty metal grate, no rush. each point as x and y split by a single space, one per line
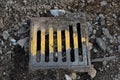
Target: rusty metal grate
59 43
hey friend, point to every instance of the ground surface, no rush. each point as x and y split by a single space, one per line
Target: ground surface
103 19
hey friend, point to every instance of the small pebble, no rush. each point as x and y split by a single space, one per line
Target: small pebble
4 73
5 35
101 43
13 41
74 76
56 12
95 50
68 77
0 51
119 48
103 3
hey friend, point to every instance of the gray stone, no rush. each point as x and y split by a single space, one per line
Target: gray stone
21 42
56 12
74 76
68 77
103 3
119 39
5 35
101 16
13 41
95 50
101 43
119 48
90 27
106 33
89 1
0 51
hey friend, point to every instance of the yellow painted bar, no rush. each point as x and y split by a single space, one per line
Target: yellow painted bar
67 39
34 40
59 41
75 36
83 39
51 39
42 41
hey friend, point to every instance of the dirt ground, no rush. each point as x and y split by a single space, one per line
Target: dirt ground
103 19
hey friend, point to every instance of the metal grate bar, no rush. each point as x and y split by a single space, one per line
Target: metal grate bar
42 45
51 43
59 46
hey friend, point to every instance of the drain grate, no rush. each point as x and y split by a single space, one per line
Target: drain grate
59 43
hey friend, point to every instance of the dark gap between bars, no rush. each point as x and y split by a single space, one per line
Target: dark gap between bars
38 46
79 42
63 47
71 43
55 54
47 48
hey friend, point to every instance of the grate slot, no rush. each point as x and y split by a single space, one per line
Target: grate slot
71 44
55 54
63 47
79 42
38 46
67 43
75 39
46 48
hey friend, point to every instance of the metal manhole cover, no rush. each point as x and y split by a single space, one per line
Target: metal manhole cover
59 43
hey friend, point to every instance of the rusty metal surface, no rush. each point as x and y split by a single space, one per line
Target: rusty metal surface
59 24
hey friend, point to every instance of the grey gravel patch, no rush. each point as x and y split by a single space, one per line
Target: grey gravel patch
5 35
101 43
